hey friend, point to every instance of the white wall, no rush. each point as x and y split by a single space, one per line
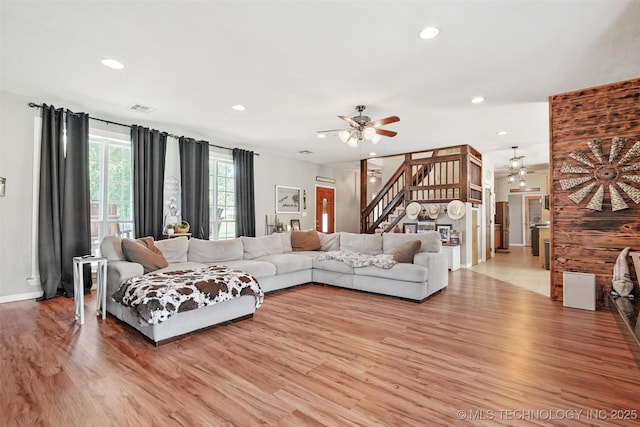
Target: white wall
16 164
16 209
271 170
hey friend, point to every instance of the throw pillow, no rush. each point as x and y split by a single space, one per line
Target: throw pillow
305 240
144 252
174 249
111 248
407 251
329 242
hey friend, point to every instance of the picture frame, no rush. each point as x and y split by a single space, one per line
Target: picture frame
424 226
287 200
455 237
295 224
444 229
410 227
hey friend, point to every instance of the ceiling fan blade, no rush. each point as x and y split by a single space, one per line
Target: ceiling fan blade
385 132
331 131
349 120
385 121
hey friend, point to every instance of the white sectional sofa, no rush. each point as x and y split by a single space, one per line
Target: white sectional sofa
272 261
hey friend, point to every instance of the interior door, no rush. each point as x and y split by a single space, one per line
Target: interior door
325 209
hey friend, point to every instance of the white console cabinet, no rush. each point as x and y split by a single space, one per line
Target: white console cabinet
453 255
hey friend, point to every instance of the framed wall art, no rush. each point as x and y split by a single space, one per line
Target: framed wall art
287 200
455 237
424 226
410 227
444 229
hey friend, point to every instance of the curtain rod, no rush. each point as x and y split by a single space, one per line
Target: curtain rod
34 105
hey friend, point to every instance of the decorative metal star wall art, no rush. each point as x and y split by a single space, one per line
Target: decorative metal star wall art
603 175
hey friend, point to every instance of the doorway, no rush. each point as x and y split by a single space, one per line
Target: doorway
533 214
325 209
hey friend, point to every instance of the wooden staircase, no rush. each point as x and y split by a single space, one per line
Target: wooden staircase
431 176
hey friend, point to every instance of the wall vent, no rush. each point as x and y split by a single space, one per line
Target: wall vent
142 108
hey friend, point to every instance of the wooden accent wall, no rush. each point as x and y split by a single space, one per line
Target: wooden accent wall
582 239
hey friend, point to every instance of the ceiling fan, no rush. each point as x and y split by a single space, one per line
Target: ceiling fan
362 128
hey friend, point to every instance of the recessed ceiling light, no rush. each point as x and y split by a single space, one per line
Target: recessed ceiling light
305 152
321 135
373 154
113 64
477 100
429 33
238 107
502 132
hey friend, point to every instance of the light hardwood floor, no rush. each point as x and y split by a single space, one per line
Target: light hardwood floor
518 267
319 355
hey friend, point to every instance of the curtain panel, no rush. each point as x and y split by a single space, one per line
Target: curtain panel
64 216
148 151
244 191
194 179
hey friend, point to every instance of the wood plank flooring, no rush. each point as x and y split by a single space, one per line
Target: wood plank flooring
324 356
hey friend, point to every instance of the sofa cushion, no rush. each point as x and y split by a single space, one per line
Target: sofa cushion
288 263
329 242
399 272
286 242
258 269
175 249
407 251
255 247
332 265
430 241
111 248
305 240
179 266
370 244
212 251
144 252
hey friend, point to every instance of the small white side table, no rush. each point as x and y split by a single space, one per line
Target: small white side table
78 284
453 255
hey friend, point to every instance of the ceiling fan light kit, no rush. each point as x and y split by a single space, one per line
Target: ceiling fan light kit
369 132
362 128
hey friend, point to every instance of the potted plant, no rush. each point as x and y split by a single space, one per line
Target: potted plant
170 229
182 227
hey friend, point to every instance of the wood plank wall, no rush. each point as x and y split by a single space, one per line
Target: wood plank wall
584 240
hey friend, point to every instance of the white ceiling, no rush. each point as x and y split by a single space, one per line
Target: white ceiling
297 65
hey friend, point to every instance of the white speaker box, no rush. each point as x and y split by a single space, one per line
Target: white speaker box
579 290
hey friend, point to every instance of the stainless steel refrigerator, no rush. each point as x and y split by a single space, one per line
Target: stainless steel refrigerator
502 218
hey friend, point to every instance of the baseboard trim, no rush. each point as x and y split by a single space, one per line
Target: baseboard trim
21 297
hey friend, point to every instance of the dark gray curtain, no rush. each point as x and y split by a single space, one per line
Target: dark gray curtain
64 218
194 181
245 200
149 148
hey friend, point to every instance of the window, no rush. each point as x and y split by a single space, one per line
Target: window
111 188
222 213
